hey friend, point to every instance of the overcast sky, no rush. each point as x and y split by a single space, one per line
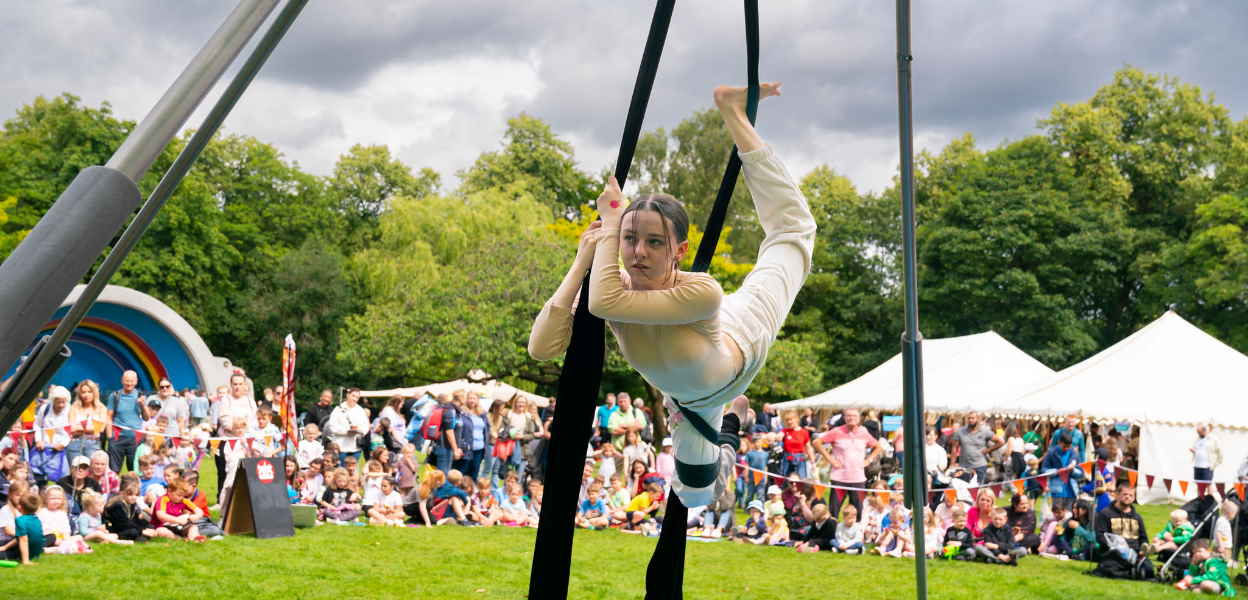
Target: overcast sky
436 80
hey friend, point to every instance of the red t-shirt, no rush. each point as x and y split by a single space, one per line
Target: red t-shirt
795 440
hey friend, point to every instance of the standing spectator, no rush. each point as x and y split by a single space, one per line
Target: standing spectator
936 457
199 405
446 449
637 450
624 420
320 412
848 457
476 437
1070 427
1206 455
643 413
768 421
176 409
1015 446
237 405
87 417
796 443
1061 488
602 418
972 443
47 459
521 428
125 408
347 423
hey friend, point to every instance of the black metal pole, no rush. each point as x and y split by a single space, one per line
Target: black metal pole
21 389
911 348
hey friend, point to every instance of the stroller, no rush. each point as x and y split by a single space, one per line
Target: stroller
1202 511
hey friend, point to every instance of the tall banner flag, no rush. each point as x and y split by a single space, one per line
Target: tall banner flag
288 390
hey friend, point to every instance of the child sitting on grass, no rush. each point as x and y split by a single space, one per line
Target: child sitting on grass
998 545
1176 532
388 511
774 504
483 507
125 517
618 498
959 543
592 513
454 497
90 522
513 511
896 540
641 509
822 534
175 513
778 531
1207 574
849 532
873 512
340 504
55 520
28 537
755 529
934 534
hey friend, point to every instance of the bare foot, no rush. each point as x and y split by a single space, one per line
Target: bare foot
733 97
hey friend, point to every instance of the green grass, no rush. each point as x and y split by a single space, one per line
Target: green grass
334 562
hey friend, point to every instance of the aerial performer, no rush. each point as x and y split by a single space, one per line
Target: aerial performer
678 329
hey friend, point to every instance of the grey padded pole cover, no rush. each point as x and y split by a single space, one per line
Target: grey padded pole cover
58 252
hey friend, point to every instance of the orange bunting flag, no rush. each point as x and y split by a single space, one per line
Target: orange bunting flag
97 426
951 495
882 497
214 444
1183 486
758 477
820 490
158 440
1239 490
1087 468
1019 486
268 440
1132 477
47 433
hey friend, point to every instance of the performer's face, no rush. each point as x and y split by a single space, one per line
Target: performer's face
649 249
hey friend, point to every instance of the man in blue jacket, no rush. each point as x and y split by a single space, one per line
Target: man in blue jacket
1060 456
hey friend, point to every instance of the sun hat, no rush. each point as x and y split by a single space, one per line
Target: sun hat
755 505
774 489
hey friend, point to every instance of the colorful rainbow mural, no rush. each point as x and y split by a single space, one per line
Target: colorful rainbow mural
133 350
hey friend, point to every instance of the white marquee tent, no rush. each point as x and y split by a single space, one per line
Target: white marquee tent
980 372
1167 377
489 392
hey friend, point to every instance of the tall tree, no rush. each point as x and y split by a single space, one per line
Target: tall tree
367 178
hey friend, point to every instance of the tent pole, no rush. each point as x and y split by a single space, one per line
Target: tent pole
911 341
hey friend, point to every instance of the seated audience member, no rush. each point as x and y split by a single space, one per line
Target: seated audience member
959 542
340 503
592 512
849 532
11 510
388 511
1176 532
822 532
874 509
29 540
934 534
54 517
778 531
147 474
108 481
90 522
642 508
483 509
176 513
1208 574
896 539
451 501
78 482
755 529
998 545
980 515
124 516
513 511
1021 517
944 511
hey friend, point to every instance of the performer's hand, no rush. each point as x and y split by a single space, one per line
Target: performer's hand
611 203
588 243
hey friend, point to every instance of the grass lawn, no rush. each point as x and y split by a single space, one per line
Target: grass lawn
336 562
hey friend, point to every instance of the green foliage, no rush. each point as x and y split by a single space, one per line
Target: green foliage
9 239
537 160
366 179
455 283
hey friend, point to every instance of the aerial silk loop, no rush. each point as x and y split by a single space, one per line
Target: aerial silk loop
581 376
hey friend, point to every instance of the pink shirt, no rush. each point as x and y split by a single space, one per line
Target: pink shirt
850 448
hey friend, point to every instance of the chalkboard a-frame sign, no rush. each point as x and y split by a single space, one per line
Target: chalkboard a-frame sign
258 502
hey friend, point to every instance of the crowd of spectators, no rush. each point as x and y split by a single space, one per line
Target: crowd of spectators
125 467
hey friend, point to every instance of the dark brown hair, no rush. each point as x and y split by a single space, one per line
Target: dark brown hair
671 212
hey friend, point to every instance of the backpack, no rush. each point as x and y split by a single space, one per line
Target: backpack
431 429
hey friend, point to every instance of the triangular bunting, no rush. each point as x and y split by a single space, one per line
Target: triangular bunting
97 426
1119 473
951 495
1044 483
158 441
820 490
138 437
758 477
1183 486
214 443
1132 477
996 490
1202 487
1019 486
1221 489
83 424
67 429
1064 474
862 495
1169 483
47 433
1148 479
1239 491
1087 467
232 443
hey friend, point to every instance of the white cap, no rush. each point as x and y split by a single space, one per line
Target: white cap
667 441
58 391
775 489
